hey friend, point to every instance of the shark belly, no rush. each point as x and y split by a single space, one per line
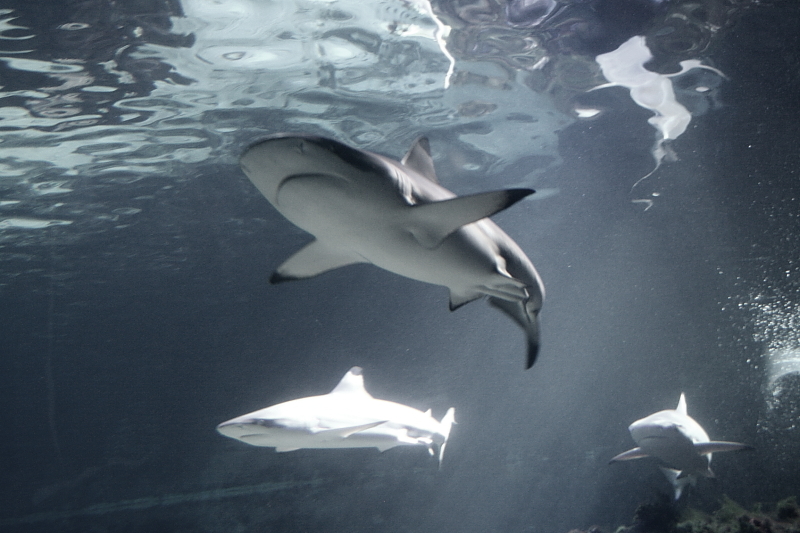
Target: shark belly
676 451
467 261
288 439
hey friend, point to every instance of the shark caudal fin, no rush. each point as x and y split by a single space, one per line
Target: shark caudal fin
678 483
444 428
529 322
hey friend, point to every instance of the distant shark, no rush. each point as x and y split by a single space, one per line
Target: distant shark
366 208
679 443
347 417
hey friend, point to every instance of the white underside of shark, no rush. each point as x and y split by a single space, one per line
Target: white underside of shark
365 208
679 443
347 417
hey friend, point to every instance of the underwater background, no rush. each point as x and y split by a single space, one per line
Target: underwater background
136 312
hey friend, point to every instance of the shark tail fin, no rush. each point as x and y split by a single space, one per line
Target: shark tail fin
527 321
444 428
678 482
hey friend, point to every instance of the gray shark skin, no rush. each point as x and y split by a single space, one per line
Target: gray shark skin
347 417
365 208
679 443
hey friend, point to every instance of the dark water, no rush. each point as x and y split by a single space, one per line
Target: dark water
136 314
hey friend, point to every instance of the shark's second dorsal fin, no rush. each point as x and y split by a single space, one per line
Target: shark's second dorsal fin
682 405
352 383
433 222
419 159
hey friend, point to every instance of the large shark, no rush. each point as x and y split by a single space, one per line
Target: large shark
366 208
679 443
347 417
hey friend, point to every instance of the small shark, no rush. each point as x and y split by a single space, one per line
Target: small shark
679 442
347 417
366 208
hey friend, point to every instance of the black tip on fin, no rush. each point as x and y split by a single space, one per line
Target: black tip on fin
515 195
533 353
277 277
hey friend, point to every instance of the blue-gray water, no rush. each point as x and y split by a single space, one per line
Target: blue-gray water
136 313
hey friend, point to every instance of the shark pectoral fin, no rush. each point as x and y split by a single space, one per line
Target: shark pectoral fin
431 223
635 453
343 433
282 449
720 446
604 86
311 260
459 299
527 321
419 159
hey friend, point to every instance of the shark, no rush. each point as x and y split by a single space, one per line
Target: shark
680 444
362 207
346 417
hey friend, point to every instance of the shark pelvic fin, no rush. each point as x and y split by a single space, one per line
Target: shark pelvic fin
635 453
457 300
311 260
419 159
707 473
433 222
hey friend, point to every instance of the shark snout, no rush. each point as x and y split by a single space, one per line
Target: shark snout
651 431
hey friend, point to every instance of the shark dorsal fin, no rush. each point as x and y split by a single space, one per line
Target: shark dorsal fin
682 405
419 159
352 383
